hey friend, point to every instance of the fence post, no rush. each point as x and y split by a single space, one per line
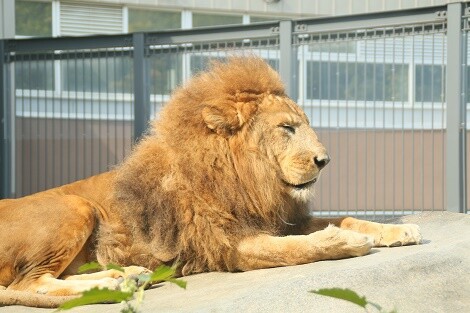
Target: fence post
141 90
287 64
5 171
456 111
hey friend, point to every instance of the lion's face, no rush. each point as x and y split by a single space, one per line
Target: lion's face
291 144
275 126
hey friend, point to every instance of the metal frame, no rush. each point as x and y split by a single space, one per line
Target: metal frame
222 33
6 162
141 90
67 43
382 20
456 124
285 32
4 180
287 62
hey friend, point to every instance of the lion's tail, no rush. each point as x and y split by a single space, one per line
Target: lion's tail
25 298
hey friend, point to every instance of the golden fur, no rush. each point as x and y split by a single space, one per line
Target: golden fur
220 183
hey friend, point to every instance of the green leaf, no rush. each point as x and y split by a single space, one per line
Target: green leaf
95 266
92 266
96 295
162 273
344 294
179 282
114 267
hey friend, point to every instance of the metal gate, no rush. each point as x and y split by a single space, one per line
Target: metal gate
384 91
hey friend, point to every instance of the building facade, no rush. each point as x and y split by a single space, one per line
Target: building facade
27 18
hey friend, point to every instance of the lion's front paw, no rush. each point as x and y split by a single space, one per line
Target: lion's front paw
342 243
136 270
358 244
399 235
108 282
133 273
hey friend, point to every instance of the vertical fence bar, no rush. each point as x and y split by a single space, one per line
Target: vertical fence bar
3 146
7 181
463 94
141 90
455 161
287 64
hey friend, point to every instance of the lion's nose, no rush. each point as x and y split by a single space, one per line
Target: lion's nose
321 161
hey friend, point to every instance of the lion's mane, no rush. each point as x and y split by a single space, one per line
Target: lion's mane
198 183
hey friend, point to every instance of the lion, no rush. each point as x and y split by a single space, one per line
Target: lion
221 182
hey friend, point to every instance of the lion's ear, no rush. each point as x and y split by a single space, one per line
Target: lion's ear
222 120
226 119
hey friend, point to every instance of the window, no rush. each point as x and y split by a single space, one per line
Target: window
334 47
165 72
429 83
109 74
201 19
357 81
254 19
77 19
34 74
147 20
200 63
33 18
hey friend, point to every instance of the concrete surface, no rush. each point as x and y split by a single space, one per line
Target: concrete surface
431 277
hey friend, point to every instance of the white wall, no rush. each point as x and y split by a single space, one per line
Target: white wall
7 18
298 8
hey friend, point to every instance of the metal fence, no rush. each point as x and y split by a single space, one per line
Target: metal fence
386 92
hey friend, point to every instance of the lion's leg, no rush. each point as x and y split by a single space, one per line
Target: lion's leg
49 285
45 253
263 251
112 273
75 284
384 234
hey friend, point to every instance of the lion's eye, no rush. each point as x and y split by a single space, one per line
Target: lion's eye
288 128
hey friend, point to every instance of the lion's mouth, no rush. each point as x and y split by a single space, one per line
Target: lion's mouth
304 185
